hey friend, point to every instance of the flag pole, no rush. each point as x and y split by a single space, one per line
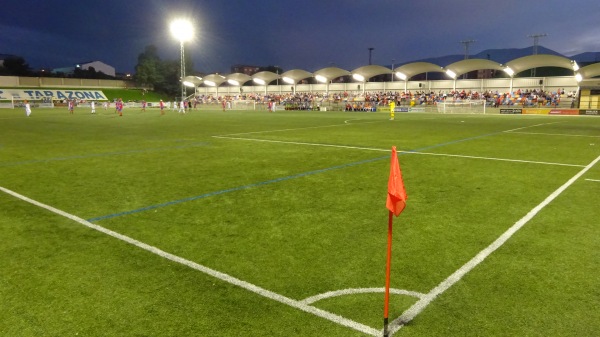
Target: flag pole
388 268
395 203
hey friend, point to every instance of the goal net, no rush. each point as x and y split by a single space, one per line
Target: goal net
465 107
246 104
7 103
20 103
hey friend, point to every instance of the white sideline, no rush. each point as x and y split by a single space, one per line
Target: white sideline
530 126
420 305
387 150
552 134
305 128
214 273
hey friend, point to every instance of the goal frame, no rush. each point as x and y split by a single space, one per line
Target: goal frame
462 106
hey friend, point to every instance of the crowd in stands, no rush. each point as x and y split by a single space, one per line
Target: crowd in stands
370 101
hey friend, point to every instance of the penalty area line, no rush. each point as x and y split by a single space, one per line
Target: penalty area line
420 305
206 270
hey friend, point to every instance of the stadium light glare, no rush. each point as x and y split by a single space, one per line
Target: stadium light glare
182 30
288 80
210 83
509 71
321 78
233 82
259 81
578 77
188 84
401 76
451 73
575 65
358 77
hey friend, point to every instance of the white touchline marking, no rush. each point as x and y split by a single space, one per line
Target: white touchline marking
214 273
406 152
418 307
305 128
531 126
316 298
552 134
596 180
496 159
302 143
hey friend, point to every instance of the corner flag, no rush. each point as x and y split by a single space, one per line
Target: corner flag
395 203
396 196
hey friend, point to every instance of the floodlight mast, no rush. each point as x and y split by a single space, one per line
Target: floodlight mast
182 30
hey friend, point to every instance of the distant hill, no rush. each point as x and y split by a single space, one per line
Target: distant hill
505 55
587 57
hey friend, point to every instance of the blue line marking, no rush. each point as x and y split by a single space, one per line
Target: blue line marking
234 189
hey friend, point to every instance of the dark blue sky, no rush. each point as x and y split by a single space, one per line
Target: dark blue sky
305 34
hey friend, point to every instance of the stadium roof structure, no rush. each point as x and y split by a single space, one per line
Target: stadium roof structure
406 71
331 73
590 71
536 61
265 77
411 69
371 70
195 80
238 78
214 80
465 66
296 75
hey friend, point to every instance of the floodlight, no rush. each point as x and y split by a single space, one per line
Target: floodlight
182 30
358 77
321 78
288 80
401 76
259 81
575 65
188 84
578 77
509 71
233 82
451 73
210 83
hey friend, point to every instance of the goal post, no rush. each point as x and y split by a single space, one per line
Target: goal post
246 104
7 103
462 106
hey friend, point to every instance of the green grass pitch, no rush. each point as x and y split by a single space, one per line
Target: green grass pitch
273 214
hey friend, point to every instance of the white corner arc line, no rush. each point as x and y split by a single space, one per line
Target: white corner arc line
418 307
214 273
335 293
596 180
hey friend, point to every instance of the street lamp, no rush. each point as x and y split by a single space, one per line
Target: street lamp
183 31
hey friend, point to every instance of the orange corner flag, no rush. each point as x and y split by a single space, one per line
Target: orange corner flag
396 196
